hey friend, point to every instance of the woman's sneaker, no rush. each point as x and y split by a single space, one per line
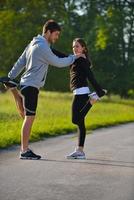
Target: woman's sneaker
30 155
76 155
94 96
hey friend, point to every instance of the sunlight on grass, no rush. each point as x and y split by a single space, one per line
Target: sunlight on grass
54 116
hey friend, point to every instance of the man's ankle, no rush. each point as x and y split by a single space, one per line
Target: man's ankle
24 150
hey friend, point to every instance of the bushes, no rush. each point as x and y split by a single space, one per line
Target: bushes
131 93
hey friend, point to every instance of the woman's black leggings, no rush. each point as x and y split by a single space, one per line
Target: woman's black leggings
80 107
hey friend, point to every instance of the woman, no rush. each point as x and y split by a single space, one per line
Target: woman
80 74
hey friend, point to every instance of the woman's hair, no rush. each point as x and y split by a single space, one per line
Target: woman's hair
83 44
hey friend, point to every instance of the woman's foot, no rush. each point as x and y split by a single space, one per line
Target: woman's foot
93 97
77 154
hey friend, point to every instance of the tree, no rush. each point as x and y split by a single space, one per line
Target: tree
111 42
106 25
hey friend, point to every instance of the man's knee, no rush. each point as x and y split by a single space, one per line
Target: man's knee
29 119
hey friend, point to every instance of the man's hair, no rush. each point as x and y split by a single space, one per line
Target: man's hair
51 25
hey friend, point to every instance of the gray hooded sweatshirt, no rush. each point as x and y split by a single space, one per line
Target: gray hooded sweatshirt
35 60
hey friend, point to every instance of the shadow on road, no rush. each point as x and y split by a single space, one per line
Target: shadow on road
112 163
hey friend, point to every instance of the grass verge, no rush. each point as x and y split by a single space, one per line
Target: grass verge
54 116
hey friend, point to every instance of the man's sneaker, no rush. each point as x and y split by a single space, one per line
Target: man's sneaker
30 155
94 96
8 82
76 155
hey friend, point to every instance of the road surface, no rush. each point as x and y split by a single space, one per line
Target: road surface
106 174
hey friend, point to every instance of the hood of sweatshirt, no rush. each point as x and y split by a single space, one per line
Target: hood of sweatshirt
39 39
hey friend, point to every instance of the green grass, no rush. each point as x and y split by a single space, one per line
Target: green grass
54 116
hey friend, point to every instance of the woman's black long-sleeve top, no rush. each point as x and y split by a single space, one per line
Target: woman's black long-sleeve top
80 74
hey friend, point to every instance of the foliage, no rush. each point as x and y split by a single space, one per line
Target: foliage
106 25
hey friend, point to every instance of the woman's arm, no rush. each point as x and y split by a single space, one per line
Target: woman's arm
100 92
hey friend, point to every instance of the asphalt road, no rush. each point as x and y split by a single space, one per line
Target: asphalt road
106 174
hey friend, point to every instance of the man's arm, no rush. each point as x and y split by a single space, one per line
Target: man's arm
18 66
58 53
55 60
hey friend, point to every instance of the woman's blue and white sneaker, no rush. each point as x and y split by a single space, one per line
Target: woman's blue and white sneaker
94 96
76 155
29 155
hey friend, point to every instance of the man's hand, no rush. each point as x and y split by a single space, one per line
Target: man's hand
80 55
8 83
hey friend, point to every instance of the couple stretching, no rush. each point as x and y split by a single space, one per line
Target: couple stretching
35 60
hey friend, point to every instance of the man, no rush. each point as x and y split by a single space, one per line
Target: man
35 60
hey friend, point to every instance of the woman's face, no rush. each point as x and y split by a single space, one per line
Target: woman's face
77 48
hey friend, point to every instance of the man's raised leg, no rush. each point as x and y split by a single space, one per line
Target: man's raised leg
19 101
